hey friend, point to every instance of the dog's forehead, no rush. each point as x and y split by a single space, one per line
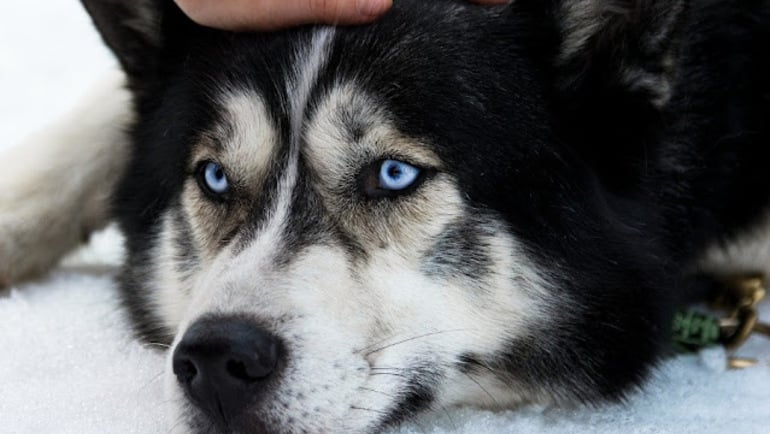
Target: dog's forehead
433 77
317 103
441 90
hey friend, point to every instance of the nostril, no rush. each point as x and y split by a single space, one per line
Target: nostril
254 368
237 369
185 370
223 364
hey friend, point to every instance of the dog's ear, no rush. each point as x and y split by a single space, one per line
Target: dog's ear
138 32
614 66
628 44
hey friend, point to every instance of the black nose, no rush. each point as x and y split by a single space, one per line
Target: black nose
223 363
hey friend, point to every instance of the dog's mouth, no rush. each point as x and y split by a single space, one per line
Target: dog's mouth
236 376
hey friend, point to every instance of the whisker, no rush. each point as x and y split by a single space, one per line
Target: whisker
367 389
414 338
174 399
152 380
178 422
486 366
353 407
392 374
382 341
470 377
187 413
404 373
156 344
449 416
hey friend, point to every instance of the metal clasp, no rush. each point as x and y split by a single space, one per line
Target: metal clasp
741 297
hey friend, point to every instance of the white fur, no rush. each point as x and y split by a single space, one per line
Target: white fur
56 185
747 253
167 283
251 149
310 60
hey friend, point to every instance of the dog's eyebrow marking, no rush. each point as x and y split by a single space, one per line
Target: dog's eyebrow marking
349 127
245 141
309 61
299 88
306 72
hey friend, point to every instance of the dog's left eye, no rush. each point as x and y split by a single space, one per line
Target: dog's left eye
213 178
397 175
389 178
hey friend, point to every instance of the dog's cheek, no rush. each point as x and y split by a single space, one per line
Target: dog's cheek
210 225
323 316
186 249
176 265
492 293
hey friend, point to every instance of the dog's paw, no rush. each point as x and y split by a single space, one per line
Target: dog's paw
52 198
55 187
37 226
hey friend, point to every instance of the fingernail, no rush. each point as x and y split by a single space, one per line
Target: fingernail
372 8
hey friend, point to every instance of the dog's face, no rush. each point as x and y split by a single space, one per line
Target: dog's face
337 228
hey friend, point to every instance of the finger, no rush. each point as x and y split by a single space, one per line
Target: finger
491 2
264 15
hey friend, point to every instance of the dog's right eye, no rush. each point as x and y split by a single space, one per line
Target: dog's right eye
213 179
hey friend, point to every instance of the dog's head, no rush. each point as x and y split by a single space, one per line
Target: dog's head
339 227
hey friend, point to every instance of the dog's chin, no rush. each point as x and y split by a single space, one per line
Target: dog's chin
186 417
192 419
346 396
255 420
198 422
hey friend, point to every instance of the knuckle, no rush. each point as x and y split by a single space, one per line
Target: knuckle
192 8
323 8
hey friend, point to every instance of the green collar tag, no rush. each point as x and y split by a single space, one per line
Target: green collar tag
693 330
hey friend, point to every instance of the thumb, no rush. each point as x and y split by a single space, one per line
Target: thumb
265 15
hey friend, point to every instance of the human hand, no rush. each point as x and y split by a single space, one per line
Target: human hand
265 15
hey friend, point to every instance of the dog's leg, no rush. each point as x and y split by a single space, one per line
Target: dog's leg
55 187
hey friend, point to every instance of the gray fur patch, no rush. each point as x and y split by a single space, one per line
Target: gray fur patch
184 243
460 253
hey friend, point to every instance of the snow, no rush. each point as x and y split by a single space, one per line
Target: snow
68 363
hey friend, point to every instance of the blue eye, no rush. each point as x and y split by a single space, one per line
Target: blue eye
396 175
215 179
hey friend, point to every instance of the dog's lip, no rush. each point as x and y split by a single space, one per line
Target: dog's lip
201 422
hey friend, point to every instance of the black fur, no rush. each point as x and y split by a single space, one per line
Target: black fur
419 395
611 193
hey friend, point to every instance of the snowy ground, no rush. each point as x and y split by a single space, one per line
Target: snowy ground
69 365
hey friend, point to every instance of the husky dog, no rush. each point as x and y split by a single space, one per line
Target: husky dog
335 229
